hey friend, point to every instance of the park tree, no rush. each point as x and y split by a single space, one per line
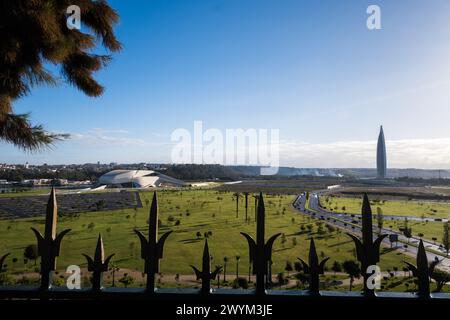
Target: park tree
288 267
294 241
31 252
35 34
281 279
91 226
283 239
100 205
126 280
298 266
236 196
238 258
337 267
240 283
441 277
225 261
380 219
330 228
351 267
246 194
446 238
406 230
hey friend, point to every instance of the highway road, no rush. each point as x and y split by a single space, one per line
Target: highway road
353 225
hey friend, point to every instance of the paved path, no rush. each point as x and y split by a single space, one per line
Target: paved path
353 225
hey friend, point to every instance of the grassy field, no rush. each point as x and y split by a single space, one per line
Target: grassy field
391 207
25 192
430 230
426 230
197 211
401 284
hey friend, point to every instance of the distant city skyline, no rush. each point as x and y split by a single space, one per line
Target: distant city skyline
312 70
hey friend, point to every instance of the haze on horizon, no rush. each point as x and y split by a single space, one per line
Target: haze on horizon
312 70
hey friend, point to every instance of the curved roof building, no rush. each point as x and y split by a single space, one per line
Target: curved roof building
381 156
138 179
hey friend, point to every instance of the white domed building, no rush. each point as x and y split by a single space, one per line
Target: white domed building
138 179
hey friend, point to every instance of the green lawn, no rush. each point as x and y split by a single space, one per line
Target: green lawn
428 229
402 284
25 192
197 211
391 207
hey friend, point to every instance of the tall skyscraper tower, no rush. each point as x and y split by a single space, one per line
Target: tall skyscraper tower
381 156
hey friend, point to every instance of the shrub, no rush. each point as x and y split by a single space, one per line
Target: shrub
91 226
126 280
5 279
240 283
281 278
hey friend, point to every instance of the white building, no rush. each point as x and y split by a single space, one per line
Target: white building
138 179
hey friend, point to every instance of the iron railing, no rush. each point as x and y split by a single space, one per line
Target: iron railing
260 254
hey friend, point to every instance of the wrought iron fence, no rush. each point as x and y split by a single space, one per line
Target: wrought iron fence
260 254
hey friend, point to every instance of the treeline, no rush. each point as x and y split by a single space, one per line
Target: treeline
187 172
69 174
422 181
203 172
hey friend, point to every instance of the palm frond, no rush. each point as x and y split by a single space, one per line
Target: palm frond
17 130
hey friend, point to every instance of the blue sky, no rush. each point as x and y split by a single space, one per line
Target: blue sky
311 69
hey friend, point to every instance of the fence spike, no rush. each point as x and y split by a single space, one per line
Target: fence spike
152 248
205 274
2 261
314 268
422 271
98 265
260 252
367 250
49 245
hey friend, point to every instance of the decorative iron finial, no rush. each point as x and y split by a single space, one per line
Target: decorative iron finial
2 261
314 268
367 250
98 265
49 245
152 249
422 271
260 252
206 275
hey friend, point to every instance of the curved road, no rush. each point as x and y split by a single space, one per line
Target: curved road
353 225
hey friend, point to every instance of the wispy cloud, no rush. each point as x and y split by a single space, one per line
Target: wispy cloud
405 153
115 137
